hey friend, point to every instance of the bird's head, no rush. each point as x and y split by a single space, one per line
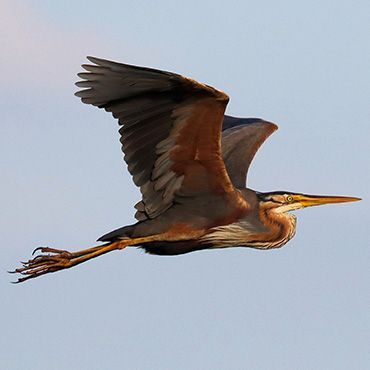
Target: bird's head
283 201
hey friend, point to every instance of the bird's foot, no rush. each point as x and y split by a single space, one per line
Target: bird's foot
50 260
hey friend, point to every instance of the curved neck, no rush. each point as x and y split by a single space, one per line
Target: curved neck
274 230
280 227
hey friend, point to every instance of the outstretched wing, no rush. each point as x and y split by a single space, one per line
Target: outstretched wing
170 134
241 138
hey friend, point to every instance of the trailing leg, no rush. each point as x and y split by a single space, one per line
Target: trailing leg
52 260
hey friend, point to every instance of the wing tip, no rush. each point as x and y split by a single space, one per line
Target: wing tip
103 62
94 60
274 127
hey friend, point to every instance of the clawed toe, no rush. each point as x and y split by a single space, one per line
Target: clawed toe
52 250
44 263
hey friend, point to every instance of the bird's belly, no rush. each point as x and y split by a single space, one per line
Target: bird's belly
166 248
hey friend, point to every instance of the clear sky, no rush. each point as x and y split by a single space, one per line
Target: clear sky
301 64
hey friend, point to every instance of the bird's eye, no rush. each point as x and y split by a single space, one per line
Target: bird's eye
289 198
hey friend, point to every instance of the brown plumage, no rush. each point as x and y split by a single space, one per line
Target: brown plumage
190 162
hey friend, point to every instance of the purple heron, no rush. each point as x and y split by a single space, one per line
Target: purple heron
190 162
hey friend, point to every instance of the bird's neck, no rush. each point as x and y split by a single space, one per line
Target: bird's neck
280 227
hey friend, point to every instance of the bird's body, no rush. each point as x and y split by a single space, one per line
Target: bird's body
190 162
249 225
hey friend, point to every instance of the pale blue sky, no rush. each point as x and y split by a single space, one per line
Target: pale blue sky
305 66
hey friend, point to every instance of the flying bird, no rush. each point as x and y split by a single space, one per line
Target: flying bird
190 161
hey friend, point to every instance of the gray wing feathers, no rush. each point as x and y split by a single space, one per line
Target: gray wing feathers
239 145
143 100
110 81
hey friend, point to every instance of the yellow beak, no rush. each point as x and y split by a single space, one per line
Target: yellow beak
316 200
